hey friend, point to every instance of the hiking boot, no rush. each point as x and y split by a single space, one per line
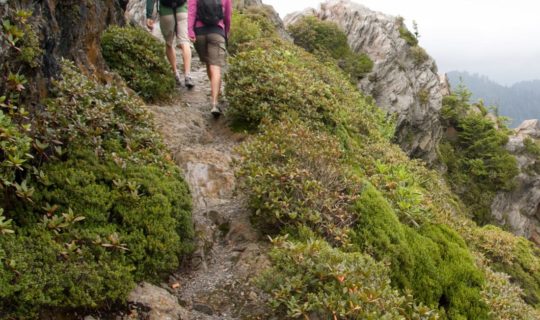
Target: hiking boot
216 111
177 79
189 82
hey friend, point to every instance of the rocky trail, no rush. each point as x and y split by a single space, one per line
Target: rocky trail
215 282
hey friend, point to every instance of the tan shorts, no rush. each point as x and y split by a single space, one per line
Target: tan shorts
166 23
211 49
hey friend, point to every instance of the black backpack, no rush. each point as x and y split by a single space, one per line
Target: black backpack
210 12
173 3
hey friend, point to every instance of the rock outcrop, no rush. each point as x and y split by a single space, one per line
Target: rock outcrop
520 208
404 79
68 29
136 12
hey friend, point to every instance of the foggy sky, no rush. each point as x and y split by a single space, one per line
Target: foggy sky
496 38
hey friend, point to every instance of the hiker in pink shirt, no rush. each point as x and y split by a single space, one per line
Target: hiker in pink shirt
209 23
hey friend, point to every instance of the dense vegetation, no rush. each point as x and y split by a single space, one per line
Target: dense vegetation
138 58
89 204
474 153
250 24
329 43
321 174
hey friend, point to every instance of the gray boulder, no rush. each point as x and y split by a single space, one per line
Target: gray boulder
161 305
519 209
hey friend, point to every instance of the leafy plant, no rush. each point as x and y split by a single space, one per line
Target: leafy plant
405 34
249 25
278 75
139 59
95 206
311 279
294 177
327 41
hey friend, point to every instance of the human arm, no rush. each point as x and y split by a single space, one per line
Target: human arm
227 16
149 14
192 17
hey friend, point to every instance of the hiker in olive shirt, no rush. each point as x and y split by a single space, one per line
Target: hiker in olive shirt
167 24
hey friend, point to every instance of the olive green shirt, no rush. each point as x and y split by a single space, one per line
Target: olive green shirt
163 11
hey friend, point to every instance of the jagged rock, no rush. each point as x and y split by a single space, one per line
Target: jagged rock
136 12
445 84
72 30
241 4
161 305
400 83
519 209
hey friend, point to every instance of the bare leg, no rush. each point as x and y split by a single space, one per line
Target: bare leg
214 73
171 56
186 56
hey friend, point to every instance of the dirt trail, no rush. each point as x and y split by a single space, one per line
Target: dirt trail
215 282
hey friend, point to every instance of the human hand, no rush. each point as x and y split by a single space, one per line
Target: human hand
150 24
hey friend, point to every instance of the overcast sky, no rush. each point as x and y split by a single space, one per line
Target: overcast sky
496 38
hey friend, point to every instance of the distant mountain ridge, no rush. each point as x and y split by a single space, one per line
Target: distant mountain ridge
519 102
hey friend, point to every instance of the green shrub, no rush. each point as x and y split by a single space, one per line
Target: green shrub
139 59
504 298
433 261
105 118
295 177
517 257
249 25
408 36
531 147
19 31
326 40
103 208
276 77
246 30
314 280
405 34
102 227
14 149
419 55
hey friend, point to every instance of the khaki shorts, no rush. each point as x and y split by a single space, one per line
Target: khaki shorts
211 49
166 23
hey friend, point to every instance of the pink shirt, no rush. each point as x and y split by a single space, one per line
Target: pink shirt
192 14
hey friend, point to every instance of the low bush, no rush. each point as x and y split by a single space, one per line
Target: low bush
272 77
97 208
433 261
517 257
313 280
249 25
246 30
295 177
139 58
14 147
326 40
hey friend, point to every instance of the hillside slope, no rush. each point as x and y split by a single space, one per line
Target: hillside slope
404 79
